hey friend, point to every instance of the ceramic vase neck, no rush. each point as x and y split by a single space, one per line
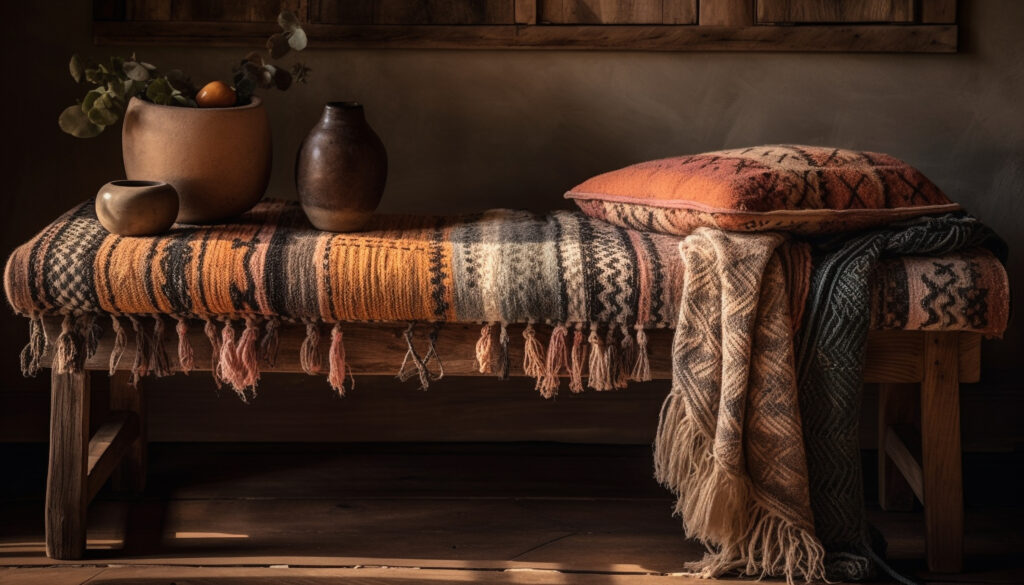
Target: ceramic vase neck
343 113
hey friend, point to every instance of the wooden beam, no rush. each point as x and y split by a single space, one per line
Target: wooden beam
940 451
841 38
903 447
108 446
897 404
130 476
378 349
66 480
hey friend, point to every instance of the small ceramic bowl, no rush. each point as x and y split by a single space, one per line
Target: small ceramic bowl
137 208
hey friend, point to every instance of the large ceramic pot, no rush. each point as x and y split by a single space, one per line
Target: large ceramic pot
217 159
341 169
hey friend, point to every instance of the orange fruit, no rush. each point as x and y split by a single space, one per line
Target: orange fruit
216 94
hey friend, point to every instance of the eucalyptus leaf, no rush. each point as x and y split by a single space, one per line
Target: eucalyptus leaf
102 116
159 91
135 71
278 45
297 39
288 21
90 100
77 68
74 121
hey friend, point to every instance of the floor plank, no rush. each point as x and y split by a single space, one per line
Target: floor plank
432 513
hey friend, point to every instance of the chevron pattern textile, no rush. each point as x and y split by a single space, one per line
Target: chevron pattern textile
830 358
729 441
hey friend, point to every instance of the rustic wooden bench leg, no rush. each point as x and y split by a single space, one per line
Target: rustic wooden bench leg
67 481
130 476
940 451
897 405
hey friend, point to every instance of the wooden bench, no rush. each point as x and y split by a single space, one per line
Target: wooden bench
919 419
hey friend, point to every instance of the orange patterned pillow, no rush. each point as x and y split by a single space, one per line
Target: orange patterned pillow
802 189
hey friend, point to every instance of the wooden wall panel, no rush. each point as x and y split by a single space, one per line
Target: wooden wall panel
425 12
726 13
938 11
612 12
834 11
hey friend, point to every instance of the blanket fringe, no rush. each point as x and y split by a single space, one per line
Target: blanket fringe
721 511
158 360
336 361
599 376
210 329
93 332
230 366
68 355
503 361
309 354
578 356
642 367
120 343
533 355
485 349
618 377
33 350
557 358
186 354
418 363
140 367
269 343
248 358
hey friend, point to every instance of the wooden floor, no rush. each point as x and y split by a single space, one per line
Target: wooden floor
403 514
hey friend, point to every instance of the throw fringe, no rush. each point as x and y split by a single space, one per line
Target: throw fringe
186 354
417 362
503 361
93 332
642 367
158 360
485 349
533 355
336 361
248 358
140 367
120 343
578 356
720 510
309 354
231 370
557 359
68 355
598 374
269 343
210 329
33 350
432 354
618 377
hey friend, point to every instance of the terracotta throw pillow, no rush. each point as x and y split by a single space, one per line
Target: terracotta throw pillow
801 189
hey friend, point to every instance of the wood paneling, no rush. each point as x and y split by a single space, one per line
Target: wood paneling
644 25
938 11
832 11
403 12
612 12
731 13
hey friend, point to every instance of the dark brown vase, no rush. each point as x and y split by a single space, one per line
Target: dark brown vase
341 169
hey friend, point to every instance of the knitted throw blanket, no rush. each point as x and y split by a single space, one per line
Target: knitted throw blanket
729 441
830 354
